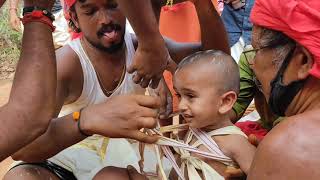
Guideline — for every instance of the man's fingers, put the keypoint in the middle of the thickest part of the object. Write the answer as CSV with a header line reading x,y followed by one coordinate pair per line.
x,y
145,82
232,172
169,109
163,105
253,140
165,101
148,112
137,78
146,122
148,101
142,137
134,174
131,69
155,82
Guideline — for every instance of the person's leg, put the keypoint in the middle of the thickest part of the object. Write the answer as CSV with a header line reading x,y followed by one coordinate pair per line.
x,y
111,172
29,172
39,171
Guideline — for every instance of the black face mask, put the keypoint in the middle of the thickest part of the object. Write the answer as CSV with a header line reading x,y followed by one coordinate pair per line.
x,y
282,95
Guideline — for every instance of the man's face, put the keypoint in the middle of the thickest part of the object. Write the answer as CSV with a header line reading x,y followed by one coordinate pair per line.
x,y
198,97
102,23
263,65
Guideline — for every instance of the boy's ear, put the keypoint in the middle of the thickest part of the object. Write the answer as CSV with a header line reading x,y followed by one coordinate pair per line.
x,y
227,101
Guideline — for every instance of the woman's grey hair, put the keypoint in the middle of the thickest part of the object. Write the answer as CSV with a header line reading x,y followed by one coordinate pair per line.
x,y
278,41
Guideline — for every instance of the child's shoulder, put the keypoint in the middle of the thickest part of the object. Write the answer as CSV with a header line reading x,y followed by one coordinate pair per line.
x,y
229,139
227,130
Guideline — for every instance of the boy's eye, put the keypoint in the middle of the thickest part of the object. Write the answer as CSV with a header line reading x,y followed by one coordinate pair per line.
x,y
190,96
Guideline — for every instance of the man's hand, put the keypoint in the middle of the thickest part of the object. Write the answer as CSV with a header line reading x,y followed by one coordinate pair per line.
x,y
122,117
165,99
150,61
47,4
14,20
232,173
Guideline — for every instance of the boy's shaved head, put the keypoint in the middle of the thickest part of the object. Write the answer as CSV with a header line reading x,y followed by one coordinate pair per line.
x,y
223,69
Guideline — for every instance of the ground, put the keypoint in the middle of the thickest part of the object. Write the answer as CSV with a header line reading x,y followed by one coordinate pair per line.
x,y
10,44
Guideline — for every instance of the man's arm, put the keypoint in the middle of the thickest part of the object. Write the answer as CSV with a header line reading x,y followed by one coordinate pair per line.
x,y
289,150
108,119
63,132
151,56
32,99
213,34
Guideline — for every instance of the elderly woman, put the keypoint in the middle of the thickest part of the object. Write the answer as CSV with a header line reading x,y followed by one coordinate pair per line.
x,y
286,40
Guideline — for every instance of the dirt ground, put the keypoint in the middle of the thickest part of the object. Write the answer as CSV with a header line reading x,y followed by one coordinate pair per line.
x,y
5,87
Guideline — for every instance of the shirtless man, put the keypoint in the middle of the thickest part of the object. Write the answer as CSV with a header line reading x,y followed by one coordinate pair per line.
x,y
286,39
32,101
30,107
91,69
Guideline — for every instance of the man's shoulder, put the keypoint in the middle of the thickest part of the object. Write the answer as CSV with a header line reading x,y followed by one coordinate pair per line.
x,y
290,146
295,129
66,52
67,63
300,125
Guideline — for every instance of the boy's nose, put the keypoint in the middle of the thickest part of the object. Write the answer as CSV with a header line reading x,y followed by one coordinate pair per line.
x,y
182,106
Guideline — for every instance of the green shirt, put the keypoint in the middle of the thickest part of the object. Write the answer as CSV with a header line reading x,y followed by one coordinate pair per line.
x,y
248,91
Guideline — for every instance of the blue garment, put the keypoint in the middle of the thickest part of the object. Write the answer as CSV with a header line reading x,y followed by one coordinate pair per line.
x,y
237,22
56,6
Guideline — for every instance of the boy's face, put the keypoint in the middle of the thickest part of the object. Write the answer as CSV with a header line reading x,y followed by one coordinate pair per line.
x,y
198,95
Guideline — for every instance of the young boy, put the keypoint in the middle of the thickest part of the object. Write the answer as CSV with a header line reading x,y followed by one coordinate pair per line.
x,y
207,84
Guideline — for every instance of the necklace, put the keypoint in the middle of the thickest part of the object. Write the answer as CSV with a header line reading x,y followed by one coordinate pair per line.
x,y
105,91
109,92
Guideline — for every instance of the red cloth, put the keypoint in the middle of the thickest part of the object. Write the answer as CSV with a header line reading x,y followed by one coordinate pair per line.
x,y
69,3
298,19
66,8
252,127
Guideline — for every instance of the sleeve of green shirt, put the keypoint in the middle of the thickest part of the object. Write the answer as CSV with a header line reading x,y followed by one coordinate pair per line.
x,y
247,87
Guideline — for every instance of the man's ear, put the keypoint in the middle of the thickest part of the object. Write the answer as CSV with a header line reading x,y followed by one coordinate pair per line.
x,y
306,64
74,19
303,62
227,101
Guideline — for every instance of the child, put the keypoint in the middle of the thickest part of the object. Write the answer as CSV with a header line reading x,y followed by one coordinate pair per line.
x,y
207,84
